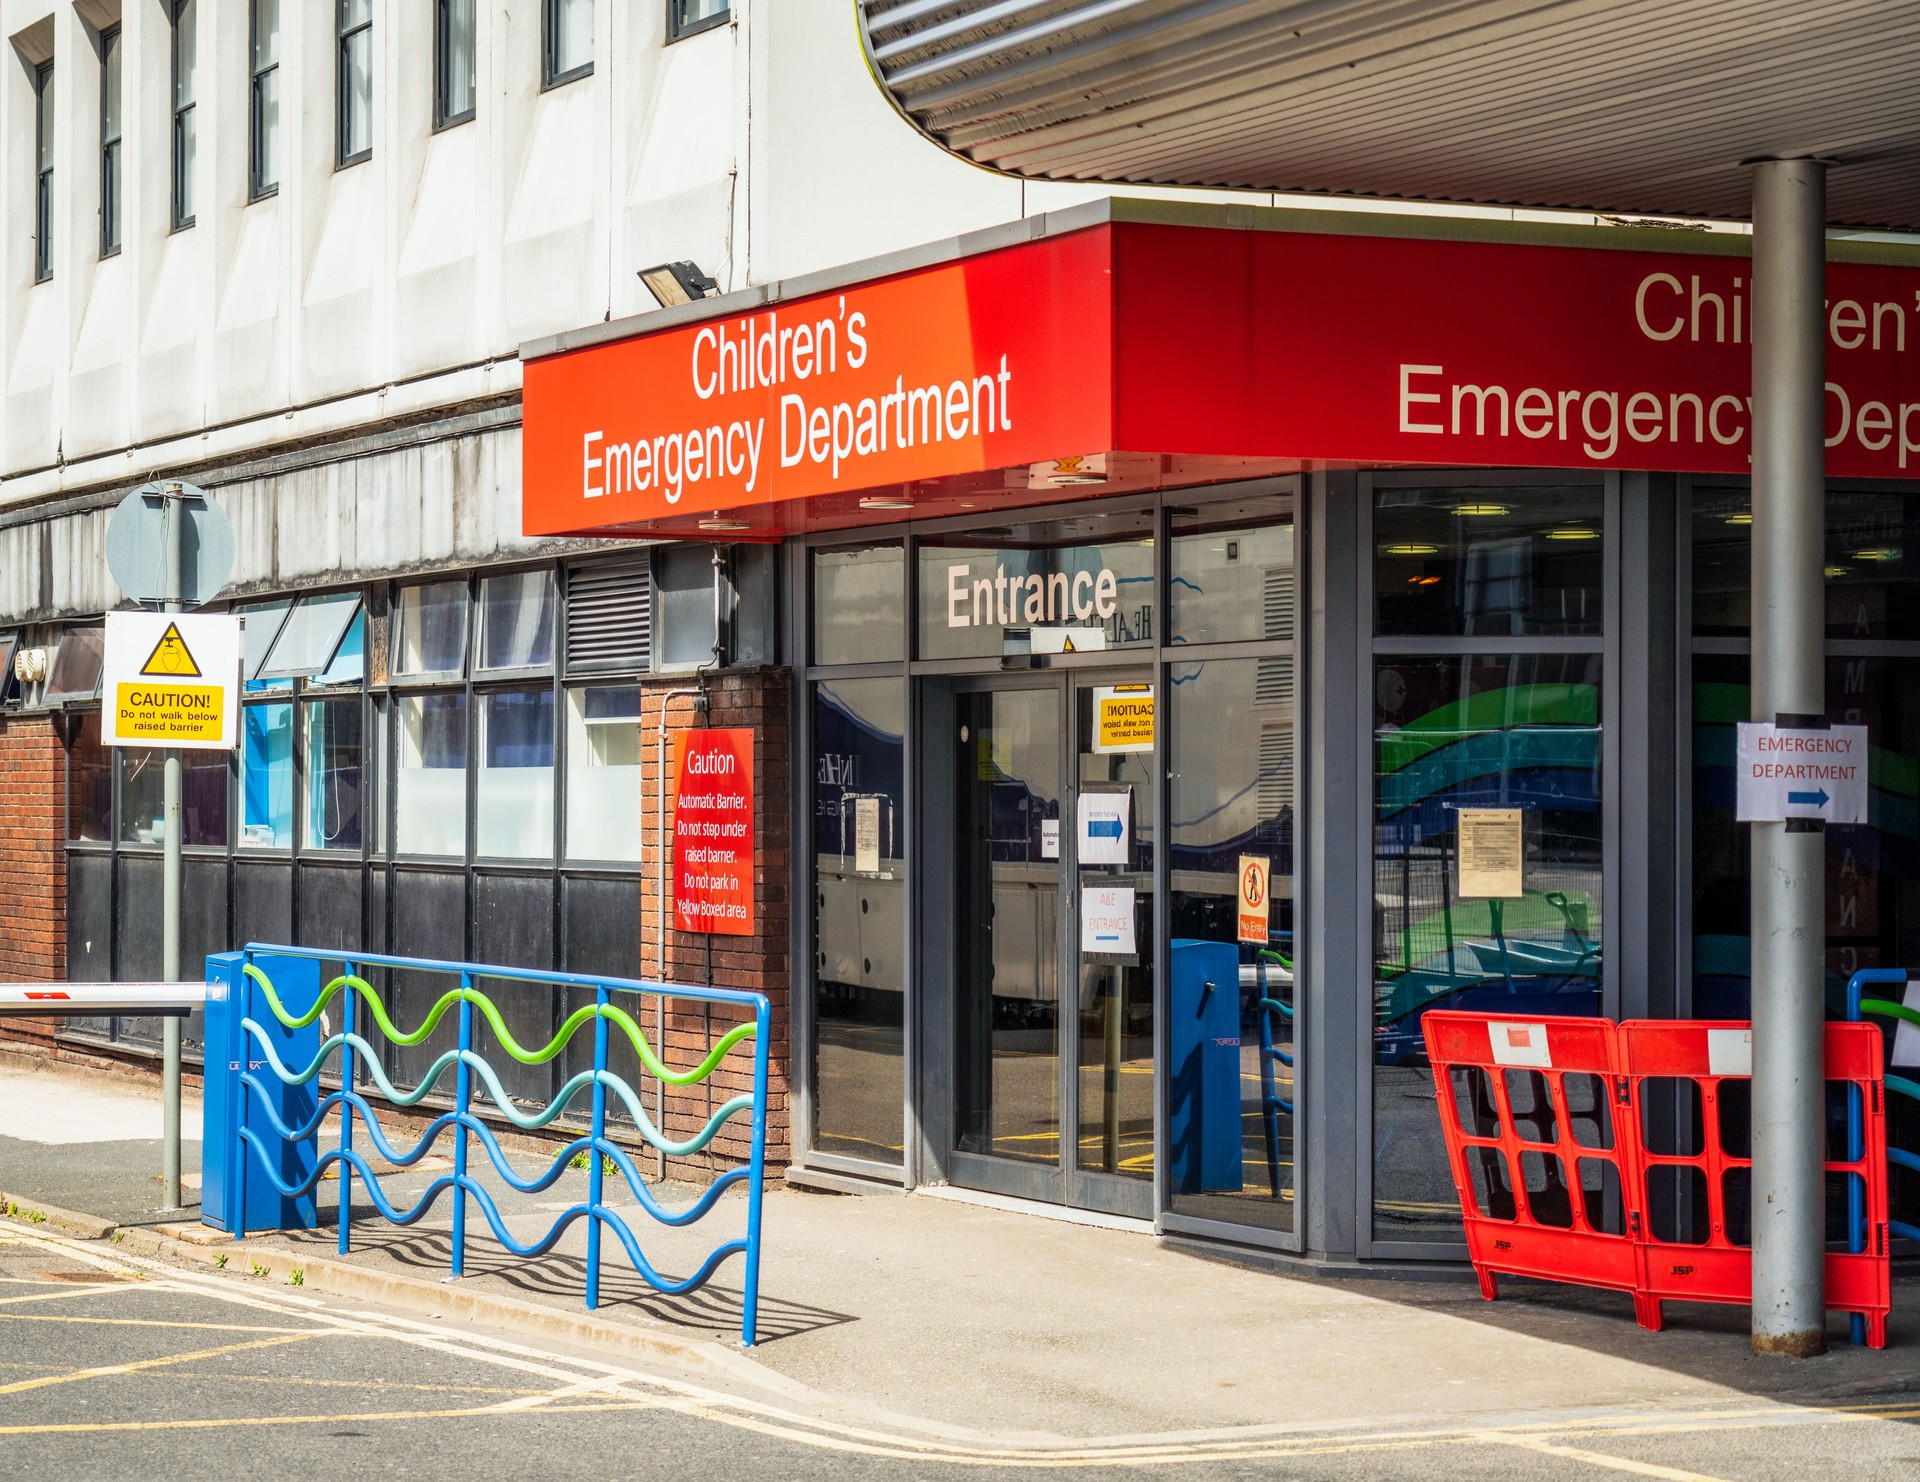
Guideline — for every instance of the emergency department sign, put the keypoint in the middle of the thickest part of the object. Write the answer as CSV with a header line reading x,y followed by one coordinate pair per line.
x,y
171,679
1789,773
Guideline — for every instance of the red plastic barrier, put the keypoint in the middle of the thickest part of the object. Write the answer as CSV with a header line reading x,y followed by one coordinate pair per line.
x,y
1546,1123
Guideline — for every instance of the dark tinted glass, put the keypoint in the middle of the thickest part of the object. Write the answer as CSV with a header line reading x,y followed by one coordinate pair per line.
x,y
859,605
1498,562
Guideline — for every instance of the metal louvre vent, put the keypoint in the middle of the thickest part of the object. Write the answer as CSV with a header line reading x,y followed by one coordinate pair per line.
x,y
1276,771
1277,601
609,617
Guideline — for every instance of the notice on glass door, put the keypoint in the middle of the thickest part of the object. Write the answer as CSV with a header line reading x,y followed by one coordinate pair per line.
x,y
1492,853
866,836
1106,827
1106,923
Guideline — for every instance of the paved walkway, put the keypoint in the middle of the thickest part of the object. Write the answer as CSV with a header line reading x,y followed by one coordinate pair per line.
x,y
955,1318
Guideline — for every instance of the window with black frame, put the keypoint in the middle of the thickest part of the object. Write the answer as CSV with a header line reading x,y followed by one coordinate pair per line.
x,y
567,49
263,98
185,56
455,29
691,17
112,185
353,82
1489,624
43,172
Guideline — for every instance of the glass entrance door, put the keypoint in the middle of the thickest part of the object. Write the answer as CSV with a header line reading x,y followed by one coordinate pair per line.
x,y
1053,884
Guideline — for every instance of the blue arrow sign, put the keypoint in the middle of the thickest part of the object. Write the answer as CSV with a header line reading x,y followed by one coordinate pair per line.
x,y
1103,828
1808,799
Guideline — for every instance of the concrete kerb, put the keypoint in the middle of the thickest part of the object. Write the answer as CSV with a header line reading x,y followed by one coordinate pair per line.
x,y
198,1245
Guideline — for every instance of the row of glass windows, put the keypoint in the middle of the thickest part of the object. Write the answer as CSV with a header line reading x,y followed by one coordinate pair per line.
x,y
566,54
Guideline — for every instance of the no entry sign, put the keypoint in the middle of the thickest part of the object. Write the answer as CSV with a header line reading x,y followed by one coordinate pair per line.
x,y
713,832
1791,773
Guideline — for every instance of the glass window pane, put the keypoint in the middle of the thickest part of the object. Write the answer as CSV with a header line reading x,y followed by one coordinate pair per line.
x,y
356,128
1083,582
203,797
1498,561
1510,732
1233,571
859,605
349,664
110,73
310,638
76,665
266,109
691,12
266,776
186,51
89,785
266,33
335,774
355,13
430,783
604,749
1233,794
433,630
572,22
859,896
186,144
459,57
44,115
516,775
516,621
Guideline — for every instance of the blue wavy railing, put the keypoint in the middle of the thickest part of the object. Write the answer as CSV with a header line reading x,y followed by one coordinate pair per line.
x,y
1272,1103
262,1008
1858,1006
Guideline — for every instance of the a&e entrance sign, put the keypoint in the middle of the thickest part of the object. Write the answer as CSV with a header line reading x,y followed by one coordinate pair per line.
x,y
1789,772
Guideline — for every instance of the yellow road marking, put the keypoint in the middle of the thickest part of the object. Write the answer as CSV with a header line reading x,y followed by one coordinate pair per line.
x,y
108,1371
92,1289
366,1384
1599,1459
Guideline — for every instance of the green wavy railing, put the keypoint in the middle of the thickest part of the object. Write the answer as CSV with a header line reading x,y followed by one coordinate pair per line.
x,y
614,1015
1891,1010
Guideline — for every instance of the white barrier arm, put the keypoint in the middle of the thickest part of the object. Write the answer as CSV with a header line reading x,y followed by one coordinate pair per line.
x,y
55,1000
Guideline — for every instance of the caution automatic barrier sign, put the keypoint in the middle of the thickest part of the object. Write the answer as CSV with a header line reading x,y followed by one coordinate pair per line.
x,y
171,680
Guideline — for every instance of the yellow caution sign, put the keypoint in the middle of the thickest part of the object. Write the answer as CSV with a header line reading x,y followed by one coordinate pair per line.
x,y
171,657
171,680
1123,718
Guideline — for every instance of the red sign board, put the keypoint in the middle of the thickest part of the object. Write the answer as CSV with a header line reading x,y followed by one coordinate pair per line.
x,y
713,832
1187,353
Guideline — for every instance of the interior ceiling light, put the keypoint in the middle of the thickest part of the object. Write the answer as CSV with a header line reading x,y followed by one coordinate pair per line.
x,y
1412,550
887,501
718,524
1573,532
1740,517
1076,478
1422,581
1473,510
674,283
1835,572
1878,553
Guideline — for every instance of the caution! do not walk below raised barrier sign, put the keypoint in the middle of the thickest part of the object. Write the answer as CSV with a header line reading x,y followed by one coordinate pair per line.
x,y
171,679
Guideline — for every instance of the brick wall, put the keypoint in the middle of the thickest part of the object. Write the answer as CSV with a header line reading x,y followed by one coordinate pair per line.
x,y
33,866
759,700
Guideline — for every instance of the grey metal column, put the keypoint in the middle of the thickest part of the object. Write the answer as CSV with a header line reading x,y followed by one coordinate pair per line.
x,y
1789,685
172,814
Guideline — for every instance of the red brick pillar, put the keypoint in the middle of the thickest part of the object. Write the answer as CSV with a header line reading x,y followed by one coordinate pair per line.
x,y
33,865
759,700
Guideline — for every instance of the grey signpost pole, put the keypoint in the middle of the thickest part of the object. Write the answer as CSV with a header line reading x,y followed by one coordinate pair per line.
x,y
174,515
1789,687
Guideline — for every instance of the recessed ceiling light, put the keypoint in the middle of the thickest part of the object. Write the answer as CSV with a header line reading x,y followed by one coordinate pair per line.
x,y
717,525
1422,581
1573,532
1411,550
1878,553
886,502
1076,478
1480,509
1835,572
1740,517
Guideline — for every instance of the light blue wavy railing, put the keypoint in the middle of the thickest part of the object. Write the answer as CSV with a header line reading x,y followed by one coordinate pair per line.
x,y
262,1007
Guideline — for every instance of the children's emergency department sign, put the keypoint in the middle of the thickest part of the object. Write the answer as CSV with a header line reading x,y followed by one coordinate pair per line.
x,y
713,832
171,679
1795,773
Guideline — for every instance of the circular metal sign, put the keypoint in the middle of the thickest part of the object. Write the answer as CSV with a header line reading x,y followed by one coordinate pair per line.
x,y
137,544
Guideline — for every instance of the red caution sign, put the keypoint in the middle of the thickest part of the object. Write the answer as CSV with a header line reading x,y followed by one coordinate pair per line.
x,y
713,832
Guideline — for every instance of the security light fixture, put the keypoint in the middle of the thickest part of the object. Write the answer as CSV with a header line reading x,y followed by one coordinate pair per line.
x,y
677,283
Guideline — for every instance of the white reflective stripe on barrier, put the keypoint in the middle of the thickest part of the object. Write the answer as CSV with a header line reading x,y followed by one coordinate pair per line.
x,y
49,999
1519,1044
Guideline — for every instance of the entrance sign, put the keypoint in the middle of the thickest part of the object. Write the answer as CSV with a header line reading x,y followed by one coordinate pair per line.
x,y
1122,718
1106,921
1256,878
1106,827
713,832
1556,347
1492,853
1791,773
171,680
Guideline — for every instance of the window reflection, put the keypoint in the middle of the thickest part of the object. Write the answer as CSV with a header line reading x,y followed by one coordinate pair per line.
x,y
266,777
1505,562
859,897
1490,731
335,775
430,782
1231,1097
859,604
